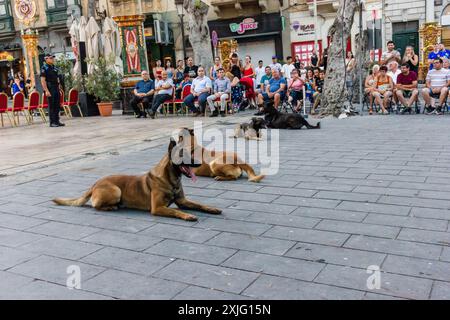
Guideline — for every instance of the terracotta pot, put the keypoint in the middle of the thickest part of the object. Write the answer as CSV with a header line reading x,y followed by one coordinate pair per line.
x,y
105,108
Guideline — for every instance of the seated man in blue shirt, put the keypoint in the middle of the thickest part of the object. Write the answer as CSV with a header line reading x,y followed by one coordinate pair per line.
x,y
143,92
200,90
275,91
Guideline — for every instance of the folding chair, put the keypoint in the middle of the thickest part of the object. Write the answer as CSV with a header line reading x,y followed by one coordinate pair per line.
x,y
43,106
285,105
4,108
186,91
366,103
217,101
436,96
166,104
33,104
73,101
62,104
17,107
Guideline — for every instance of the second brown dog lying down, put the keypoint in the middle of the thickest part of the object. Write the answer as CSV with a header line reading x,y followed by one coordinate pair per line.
x,y
154,191
224,166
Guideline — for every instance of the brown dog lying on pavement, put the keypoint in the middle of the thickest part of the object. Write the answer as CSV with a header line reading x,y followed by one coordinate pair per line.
x,y
223,166
154,191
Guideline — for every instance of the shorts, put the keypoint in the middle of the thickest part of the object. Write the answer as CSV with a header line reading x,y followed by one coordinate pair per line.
x,y
282,96
435,95
296,96
407,93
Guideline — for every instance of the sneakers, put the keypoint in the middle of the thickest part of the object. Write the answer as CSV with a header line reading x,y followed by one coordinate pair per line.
x,y
438,111
214,114
404,110
386,112
429,110
222,113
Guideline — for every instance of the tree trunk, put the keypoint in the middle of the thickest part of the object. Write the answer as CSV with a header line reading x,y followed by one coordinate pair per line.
x,y
334,92
196,13
362,57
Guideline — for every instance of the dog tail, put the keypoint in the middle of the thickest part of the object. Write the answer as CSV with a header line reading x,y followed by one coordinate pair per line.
x,y
77,202
251,173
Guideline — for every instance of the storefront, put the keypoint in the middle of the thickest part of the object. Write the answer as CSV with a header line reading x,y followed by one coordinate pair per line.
x,y
159,41
305,30
11,62
257,36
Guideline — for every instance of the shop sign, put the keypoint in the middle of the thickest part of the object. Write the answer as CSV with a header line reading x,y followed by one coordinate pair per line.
x,y
245,25
303,29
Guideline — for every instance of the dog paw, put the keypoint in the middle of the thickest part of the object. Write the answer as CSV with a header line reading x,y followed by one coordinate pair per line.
x,y
214,211
190,217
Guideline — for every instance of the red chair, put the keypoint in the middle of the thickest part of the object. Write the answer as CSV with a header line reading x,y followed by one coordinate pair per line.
x,y
73,101
43,106
167,103
217,104
62,104
186,91
33,104
4,108
18,106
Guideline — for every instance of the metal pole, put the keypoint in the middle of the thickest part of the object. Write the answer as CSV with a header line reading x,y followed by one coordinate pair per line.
x,y
315,26
362,54
182,37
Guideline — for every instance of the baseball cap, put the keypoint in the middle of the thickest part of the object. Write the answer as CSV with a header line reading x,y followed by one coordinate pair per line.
x,y
274,57
49,55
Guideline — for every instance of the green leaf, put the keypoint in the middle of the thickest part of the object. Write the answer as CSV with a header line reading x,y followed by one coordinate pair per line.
x,y
104,82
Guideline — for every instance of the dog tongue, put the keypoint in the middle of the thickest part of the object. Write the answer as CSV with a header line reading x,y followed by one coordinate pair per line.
x,y
193,176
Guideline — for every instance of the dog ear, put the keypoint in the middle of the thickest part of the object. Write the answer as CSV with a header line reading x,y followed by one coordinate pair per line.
x,y
172,145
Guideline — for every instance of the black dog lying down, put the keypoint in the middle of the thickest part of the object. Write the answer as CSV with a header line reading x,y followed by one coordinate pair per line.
x,y
278,120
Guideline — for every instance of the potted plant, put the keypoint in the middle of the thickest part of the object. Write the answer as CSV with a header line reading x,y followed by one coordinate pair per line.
x,y
71,79
104,84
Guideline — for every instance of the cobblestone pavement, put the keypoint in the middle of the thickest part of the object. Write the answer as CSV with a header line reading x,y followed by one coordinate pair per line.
x,y
365,191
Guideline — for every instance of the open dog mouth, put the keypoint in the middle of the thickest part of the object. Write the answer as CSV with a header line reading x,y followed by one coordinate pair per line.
x,y
187,171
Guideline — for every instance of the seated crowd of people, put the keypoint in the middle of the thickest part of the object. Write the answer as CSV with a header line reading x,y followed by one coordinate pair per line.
x,y
241,85
391,84
388,85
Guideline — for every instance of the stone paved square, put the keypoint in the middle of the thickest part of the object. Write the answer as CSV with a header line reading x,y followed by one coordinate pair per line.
x,y
360,193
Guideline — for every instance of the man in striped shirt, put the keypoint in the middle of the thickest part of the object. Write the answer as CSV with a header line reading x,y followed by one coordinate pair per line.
x,y
438,81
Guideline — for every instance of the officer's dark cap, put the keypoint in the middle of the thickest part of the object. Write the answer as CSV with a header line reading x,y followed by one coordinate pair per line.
x,y
49,55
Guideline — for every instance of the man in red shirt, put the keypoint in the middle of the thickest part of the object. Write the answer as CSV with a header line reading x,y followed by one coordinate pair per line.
x,y
406,88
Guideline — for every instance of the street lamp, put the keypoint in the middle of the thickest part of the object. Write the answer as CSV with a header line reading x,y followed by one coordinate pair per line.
x,y
180,9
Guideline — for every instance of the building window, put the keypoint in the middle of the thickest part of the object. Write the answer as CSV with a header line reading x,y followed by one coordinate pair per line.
x,y
52,4
3,8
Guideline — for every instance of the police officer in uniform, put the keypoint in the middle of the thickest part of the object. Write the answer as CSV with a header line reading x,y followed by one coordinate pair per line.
x,y
50,84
